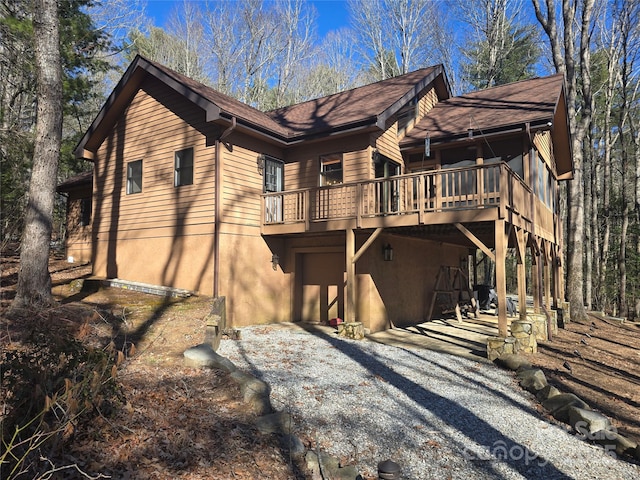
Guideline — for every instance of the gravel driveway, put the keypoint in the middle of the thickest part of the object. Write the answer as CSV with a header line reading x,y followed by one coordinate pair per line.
x,y
437,415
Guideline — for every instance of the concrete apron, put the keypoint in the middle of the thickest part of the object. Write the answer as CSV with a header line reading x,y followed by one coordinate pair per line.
x,y
465,339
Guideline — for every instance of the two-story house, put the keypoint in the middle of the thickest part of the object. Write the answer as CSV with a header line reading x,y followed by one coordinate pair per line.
x,y
345,206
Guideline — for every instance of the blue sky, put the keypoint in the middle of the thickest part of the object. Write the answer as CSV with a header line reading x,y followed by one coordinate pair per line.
x,y
332,14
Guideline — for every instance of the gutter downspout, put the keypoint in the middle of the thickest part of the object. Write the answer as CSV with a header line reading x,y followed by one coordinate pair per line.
x,y
218,209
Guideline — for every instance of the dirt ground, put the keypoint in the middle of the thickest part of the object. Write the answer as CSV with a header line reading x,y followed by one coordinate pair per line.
x,y
599,361
175,422
187,423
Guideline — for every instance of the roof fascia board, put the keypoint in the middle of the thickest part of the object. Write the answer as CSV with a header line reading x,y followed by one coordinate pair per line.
x,y
562,130
128,76
414,92
504,130
212,111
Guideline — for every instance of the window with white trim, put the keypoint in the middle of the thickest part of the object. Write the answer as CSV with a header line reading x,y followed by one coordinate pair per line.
x,y
134,177
330,169
183,172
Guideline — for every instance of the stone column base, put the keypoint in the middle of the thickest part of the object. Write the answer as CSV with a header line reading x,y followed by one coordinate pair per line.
x,y
497,347
539,323
353,330
524,333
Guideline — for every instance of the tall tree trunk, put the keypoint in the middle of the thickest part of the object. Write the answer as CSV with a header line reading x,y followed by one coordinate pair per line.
x,y
622,256
595,234
575,13
589,227
34,281
637,208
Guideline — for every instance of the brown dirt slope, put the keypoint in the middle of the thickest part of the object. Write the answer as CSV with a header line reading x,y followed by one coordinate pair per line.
x,y
173,421
603,356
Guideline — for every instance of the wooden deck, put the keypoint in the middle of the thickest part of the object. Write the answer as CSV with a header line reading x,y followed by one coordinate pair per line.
x,y
471,194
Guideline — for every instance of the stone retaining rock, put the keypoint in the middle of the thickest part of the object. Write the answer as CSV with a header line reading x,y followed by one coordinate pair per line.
x,y
513,362
565,407
614,442
559,405
532,380
547,392
293,445
330,466
587,422
257,395
254,392
204,355
277,422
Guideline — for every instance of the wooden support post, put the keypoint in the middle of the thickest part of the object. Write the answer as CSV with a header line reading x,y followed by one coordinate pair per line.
x,y
480,193
350,310
501,276
522,273
536,273
547,276
557,278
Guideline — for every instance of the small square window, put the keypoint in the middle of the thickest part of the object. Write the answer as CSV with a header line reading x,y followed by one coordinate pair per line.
x,y
183,174
134,177
330,169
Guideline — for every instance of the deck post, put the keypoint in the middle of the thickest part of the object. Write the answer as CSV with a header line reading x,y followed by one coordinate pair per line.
x,y
307,213
522,274
557,278
501,277
350,310
536,277
548,258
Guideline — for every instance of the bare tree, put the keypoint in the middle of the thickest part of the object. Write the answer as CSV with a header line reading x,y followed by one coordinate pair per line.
x,y
626,21
243,41
179,46
34,280
395,36
574,32
186,28
297,37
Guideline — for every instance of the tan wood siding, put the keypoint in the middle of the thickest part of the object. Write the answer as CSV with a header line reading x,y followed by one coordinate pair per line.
x,y
155,125
427,102
544,145
302,164
357,165
242,187
387,143
78,239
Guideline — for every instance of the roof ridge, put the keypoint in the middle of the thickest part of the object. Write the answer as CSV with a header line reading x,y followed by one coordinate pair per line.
x,y
343,92
515,82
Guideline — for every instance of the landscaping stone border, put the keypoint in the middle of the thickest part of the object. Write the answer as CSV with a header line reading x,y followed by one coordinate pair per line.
x,y
569,408
256,394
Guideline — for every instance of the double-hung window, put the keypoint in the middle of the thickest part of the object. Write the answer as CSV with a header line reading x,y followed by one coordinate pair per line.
x,y
183,173
134,177
330,169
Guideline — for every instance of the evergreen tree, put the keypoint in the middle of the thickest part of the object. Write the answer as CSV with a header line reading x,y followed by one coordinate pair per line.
x,y
79,46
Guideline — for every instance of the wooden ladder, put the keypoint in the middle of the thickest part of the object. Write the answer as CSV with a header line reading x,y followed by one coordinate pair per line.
x,y
450,291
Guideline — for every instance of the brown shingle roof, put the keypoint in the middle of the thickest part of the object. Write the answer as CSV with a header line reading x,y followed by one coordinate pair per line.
x,y
363,106
527,101
80,180
351,107
227,104
355,106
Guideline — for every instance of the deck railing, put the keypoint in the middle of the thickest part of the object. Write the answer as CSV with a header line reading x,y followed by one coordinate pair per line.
x,y
474,187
